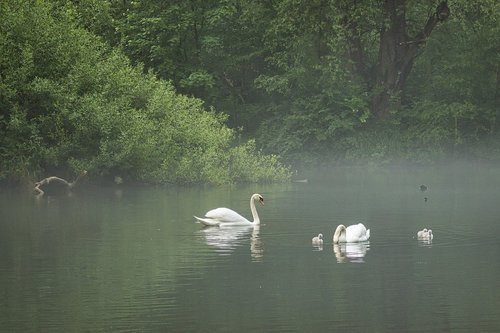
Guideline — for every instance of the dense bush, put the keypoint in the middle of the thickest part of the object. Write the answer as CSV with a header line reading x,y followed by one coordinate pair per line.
x,y
69,102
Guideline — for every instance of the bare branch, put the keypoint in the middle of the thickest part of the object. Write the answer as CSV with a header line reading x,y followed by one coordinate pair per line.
x,y
52,179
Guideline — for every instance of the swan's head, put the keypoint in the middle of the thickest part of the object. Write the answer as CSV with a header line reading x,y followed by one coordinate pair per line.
x,y
320,236
425,230
338,232
259,198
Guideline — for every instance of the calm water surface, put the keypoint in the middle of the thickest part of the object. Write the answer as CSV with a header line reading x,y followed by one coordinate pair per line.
x,y
133,259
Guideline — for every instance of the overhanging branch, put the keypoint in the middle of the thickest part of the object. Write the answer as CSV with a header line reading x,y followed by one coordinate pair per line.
x,y
54,179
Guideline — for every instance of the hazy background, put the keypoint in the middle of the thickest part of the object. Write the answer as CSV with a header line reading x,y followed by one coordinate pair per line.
x,y
133,259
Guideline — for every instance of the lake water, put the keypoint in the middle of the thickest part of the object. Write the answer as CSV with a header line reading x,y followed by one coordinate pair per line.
x,y
132,259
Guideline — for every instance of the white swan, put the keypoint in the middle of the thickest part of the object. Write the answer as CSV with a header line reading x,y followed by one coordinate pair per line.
x,y
421,233
425,234
430,235
353,233
226,216
318,240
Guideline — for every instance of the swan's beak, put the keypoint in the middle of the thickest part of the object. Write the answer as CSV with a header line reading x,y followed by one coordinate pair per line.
x,y
261,200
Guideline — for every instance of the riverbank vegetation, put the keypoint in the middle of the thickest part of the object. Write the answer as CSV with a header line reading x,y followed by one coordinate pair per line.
x,y
329,80
214,91
70,102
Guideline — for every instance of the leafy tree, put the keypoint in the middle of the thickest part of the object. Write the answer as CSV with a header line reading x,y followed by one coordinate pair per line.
x,y
453,96
324,78
69,102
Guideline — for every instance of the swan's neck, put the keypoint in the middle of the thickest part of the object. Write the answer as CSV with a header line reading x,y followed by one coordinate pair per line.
x,y
338,233
255,215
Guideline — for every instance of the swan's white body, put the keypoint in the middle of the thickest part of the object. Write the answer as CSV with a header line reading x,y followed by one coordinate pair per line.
x,y
425,234
430,235
318,240
353,233
421,233
228,217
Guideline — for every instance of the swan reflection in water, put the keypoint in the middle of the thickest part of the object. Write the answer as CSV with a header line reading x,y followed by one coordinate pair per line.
x,y
317,247
351,252
425,242
226,239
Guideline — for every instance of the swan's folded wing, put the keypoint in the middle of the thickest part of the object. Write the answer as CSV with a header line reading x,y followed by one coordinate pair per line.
x,y
357,232
207,222
225,215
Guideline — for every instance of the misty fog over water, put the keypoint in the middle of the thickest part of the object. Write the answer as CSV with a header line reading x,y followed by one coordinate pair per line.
x,y
133,259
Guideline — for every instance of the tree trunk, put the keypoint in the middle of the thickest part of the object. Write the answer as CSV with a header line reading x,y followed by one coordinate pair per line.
x,y
397,52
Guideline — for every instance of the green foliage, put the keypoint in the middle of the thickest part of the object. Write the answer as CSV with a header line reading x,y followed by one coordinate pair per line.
x,y
446,125
454,93
300,75
69,102
79,85
314,101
